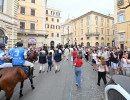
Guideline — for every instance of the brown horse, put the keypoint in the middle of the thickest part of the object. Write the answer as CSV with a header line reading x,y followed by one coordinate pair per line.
x,y
10,78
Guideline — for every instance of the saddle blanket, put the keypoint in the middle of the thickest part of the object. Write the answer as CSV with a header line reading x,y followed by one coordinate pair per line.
x,y
26,70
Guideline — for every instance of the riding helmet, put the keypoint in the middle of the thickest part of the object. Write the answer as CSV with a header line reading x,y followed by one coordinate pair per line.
x,y
2,45
19,44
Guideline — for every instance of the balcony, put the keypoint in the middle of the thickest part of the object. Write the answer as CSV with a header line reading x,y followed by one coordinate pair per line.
x,y
92,34
120,2
32,32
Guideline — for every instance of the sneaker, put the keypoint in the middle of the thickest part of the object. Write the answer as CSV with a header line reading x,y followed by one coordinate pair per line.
x,y
40,71
76,84
98,84
55,71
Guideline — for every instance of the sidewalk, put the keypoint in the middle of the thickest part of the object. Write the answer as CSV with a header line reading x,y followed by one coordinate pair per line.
x,y
89,88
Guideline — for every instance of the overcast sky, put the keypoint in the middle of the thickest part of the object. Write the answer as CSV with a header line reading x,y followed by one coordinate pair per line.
x,y
76,8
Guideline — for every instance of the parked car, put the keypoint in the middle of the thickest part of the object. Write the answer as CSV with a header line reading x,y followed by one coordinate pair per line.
x,y
118,88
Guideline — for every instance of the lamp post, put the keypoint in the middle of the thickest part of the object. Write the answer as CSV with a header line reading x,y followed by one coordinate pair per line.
x,y
68,34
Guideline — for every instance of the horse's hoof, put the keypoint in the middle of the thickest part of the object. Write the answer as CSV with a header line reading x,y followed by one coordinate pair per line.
x,y
33,87
21,95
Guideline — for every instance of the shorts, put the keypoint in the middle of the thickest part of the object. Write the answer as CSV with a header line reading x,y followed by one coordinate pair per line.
x,y
93,61
119,63
107,63
114,65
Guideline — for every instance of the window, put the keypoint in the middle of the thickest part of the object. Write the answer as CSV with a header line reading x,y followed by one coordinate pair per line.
x,y
32,26
88,30
52,12
102,38
81,25
82,20
97,22
97,38
52,19
57,27
88,20
22,25
102,31
81,38
121,18
87,38
32,1
52,26
101,23
82,32
47,26
46,18
108,44
102,19
107,20
33,12
113,33
108,32
96,30
22,10
57,13
108,25
121,37
46,11
52,34
57,34
1,5
107,39
96,17
57,20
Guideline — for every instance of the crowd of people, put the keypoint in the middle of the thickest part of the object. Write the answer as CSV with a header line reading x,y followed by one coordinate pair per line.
x,y
101,58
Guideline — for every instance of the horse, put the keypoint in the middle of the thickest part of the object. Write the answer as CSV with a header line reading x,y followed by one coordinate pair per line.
x,y
11,76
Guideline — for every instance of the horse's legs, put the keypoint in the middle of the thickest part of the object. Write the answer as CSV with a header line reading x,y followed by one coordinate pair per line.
x,y
32,85
21,89
9,94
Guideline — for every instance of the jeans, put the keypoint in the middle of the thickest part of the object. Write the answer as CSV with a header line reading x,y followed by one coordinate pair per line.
x,y
78,71
74,59
49,65
103,76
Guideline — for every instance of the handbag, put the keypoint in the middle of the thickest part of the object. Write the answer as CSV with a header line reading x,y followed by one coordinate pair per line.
x,y
107,69
52,65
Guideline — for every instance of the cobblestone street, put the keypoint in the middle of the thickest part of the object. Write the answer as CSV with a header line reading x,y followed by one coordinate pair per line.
x,y
90,90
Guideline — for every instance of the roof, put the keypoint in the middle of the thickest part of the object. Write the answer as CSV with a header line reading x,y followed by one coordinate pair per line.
x,y
96,13
51,8
123,81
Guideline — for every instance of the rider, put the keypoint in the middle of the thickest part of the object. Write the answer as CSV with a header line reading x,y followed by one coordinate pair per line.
x,y
3,57
19,56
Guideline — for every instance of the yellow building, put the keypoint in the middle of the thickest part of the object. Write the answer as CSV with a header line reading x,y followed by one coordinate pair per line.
x,y
93,29
31,22
53,26
122,21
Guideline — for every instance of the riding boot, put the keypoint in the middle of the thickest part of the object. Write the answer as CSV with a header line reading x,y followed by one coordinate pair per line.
x,y
31,73
0,75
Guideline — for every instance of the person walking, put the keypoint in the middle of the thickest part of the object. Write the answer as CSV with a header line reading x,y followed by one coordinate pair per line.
x,y
66,53
78,69
57,58
101,70
94,57
86,54
74,53
42,61
49,61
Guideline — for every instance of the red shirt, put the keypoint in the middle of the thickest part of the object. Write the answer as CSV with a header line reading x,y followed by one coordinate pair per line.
x,y
74,53
78,62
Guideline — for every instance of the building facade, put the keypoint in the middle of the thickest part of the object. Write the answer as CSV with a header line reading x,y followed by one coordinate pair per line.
x,y
8,22
67,32
31,23
53,26
122,23
93,29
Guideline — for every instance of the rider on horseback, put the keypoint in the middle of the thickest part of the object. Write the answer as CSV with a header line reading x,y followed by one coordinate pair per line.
x,y
19,55
3,57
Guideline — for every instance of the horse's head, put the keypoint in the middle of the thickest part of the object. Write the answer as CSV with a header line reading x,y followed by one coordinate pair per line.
x,y
33,56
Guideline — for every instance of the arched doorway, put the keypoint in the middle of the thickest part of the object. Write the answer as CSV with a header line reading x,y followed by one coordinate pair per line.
x,y
82,44
88,44
52,44
2,35
96,44
32,42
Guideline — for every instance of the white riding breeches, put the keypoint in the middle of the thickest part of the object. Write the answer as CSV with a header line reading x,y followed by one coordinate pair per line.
x,y
27,63
5,65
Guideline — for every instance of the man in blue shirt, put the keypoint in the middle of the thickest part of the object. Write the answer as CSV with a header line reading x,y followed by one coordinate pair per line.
x,y
3,57
19,55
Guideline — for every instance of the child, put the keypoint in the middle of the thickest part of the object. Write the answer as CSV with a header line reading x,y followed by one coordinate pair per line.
x,y
101,70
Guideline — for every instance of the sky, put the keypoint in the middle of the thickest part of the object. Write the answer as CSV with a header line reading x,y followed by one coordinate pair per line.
x,y
76,8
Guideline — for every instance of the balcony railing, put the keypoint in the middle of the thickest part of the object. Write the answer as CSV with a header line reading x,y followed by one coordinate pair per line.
x,y
32,32
90,34
120,2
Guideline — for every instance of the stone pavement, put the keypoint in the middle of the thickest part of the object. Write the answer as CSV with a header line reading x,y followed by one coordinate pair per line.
x,y
89,90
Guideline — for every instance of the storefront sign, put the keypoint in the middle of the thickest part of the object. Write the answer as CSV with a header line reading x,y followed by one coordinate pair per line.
x,y
32,41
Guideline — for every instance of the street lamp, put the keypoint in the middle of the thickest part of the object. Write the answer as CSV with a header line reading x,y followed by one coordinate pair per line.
x,y
68,34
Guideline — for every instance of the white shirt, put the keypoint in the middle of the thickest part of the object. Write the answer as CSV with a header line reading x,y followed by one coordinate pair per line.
x,y
99,53
66,51
106,55
124,64
94,56
71,50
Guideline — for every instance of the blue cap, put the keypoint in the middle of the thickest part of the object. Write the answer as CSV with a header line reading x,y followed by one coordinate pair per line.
x,y
2,45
